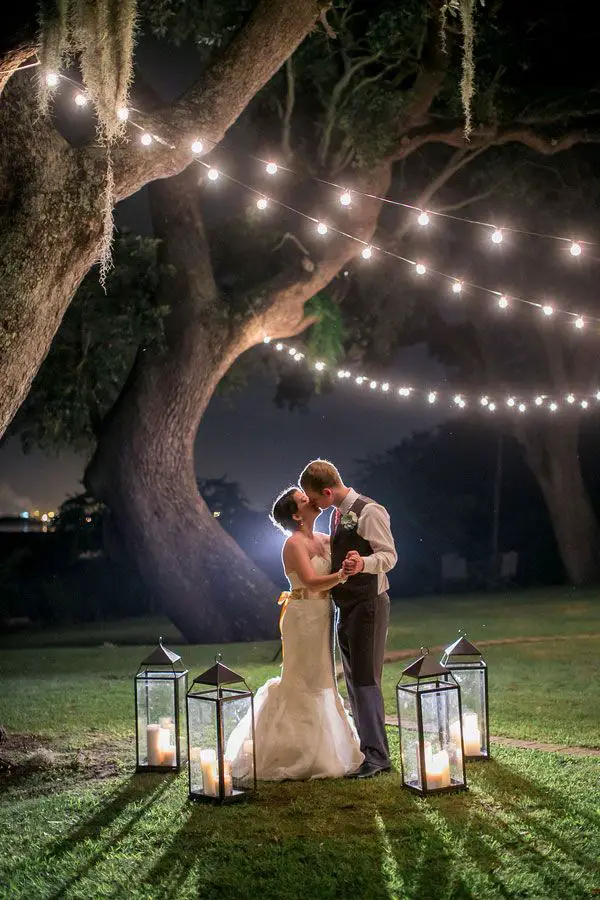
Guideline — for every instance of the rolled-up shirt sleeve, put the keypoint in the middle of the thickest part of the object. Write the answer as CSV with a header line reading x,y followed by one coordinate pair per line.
x,y
374,527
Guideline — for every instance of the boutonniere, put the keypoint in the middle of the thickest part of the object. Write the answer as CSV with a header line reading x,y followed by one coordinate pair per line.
x,y
349,521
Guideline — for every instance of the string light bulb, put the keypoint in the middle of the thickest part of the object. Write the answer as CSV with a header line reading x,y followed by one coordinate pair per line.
x,y
279,347
492,407
367,253
52,79
266,339
539,401
341,373
432,396
570,398
457,287
319,366
404,391
458,399
485,401
197,146
579,322
522,407
385,387
213,174
553,406
346,198
80,100
510,401
261,203
359,380
420,269
373,385
292,351
497,236
575,249
584,404
271,168
123,114
146,139
547,309
502,301
322,228
423,218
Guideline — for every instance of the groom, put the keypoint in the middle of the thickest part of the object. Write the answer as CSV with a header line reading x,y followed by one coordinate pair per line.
x,y
361,543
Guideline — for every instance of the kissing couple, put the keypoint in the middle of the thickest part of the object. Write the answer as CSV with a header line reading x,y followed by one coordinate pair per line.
x,y
302,729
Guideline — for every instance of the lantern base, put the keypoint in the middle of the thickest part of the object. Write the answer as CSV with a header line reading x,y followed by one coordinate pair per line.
x,y
235,797
140,768
480,757
425,792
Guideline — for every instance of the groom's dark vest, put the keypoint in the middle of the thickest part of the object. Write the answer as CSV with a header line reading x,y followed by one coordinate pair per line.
x,y
359,587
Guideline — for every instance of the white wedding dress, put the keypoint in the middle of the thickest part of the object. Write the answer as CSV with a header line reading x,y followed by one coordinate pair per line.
x,y
301,727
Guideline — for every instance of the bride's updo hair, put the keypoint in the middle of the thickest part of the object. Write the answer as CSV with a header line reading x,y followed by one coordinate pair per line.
x,y
284,509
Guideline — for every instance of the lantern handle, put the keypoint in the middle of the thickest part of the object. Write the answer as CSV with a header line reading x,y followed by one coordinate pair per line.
x,y
160,640
425,650
218,657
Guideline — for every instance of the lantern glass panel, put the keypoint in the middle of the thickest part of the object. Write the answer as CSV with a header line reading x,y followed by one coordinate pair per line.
x,y
443,755
159,696
408,700
215,751
472,681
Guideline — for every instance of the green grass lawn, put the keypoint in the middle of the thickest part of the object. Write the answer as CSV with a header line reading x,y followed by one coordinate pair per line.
x,y
78,824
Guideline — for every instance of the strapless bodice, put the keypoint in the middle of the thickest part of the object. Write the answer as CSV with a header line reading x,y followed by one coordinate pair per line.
x,y
320,564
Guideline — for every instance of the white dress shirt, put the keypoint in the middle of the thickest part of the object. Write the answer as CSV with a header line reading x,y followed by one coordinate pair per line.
x,y
374,526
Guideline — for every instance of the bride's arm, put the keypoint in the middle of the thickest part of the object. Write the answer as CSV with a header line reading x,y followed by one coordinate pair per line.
x,y
297,560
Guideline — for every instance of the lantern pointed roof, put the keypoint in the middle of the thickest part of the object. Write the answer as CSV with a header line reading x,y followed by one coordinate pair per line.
x,y
462,647
161,656
219,674
425,666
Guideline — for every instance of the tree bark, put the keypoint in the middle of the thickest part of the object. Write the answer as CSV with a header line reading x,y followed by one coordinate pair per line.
x,y
143,468
51,194
552,453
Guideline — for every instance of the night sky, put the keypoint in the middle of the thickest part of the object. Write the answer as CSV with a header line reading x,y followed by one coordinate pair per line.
x,y
246,437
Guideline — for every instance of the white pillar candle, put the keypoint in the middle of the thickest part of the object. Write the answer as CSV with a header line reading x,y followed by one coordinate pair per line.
x,y
227,779
437,768
154,738
208,764
471,734
169,757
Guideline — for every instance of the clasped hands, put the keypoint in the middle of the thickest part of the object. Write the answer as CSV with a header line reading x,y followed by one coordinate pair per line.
x,y
353,563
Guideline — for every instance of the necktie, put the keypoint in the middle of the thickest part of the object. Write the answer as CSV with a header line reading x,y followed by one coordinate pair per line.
x,y
336,519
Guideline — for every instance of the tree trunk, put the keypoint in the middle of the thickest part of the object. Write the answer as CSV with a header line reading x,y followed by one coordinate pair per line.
x,y
551,450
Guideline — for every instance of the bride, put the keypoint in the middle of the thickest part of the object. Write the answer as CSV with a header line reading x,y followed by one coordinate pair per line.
x,y
301,728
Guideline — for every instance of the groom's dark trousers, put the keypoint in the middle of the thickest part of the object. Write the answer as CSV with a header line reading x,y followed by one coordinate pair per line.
x,y
362,623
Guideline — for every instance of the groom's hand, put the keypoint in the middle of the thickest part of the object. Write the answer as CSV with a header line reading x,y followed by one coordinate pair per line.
x,y
353,564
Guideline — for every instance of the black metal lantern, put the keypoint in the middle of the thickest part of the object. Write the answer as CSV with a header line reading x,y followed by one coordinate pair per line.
x,y
160,690
221,737
467,665
431,755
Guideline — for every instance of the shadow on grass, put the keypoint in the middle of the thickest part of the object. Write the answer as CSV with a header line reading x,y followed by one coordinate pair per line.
x,y
129,801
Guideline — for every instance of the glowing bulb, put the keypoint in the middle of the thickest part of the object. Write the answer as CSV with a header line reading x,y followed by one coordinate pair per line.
x,y
522,408
346,198
547,310
423,218
213,174
497,236
457,287
373,385
584,404
322,228
404,391
279,346
123,114
146,139
458,399
432,396
510,401
319,366
579,323
575,249
367,253
539,401
197,146
598,395
51,79
385,387
80,100
271,168
299,356
360,380
266,339
341,373
502,301
261,203
570,398
292,351
553,407
420,269
492,407
484,401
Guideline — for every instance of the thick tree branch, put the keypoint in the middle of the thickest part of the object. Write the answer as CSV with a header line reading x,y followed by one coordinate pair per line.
x,y
492,136
211,106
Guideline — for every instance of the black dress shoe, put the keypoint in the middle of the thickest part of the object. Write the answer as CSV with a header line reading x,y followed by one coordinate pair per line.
x,y
369,770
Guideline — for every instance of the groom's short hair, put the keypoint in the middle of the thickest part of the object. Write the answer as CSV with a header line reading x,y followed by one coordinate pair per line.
x,y
320,474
